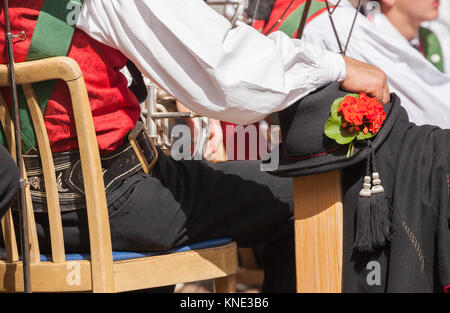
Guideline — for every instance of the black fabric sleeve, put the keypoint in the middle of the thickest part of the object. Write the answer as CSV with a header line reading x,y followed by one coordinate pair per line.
x,y
443,232
9,180
264,9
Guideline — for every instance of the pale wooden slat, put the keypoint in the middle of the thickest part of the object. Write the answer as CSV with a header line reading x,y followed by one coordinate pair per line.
x,y
35,255
9,235
97,210
8,127
253,278
176,268
41,70
249,271
47,277
248,258
51,189
225,284
319,232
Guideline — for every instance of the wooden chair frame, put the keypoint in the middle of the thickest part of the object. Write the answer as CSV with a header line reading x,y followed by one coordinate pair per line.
x,y
100,273
318,213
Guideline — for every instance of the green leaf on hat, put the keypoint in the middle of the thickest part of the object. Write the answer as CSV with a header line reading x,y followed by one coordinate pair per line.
x,y
334,131
362,136
334,109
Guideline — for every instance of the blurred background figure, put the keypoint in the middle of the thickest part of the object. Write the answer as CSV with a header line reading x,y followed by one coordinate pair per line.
x,y
233,10
283,15
407,39
390,35
441,27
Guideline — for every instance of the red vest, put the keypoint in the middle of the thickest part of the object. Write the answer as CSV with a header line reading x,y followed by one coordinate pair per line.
x,y
115,109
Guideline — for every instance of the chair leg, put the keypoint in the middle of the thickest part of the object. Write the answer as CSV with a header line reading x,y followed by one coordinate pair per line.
x,y
225,284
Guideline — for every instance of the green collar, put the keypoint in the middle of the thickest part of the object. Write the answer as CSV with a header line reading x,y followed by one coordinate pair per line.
x,y
432,48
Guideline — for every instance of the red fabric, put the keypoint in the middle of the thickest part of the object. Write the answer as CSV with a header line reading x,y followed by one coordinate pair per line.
x,y
229,133
115,109
447,289
259,25
422,48
282,9
316,155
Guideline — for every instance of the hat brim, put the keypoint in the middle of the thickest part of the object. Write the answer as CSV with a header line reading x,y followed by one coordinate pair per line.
x,y
291,166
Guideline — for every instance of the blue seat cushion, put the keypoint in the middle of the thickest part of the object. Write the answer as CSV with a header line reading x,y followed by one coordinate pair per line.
x,y
120,256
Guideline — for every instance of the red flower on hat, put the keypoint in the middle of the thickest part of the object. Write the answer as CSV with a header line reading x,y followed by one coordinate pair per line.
x,y
355,116
362,113
352,110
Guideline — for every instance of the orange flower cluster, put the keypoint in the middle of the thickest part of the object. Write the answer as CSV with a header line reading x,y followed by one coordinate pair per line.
x,y
362,113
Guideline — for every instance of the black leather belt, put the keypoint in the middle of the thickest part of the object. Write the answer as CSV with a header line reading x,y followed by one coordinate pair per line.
x,y
138,153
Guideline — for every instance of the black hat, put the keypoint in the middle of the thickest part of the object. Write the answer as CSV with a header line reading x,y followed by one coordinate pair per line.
x,y
306,150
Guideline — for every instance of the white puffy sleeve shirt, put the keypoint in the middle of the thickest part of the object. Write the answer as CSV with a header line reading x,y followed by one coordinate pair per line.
x,y
191,51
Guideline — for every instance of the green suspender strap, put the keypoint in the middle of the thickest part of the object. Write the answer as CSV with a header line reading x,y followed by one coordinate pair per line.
x,y
52,37
291,24
432,48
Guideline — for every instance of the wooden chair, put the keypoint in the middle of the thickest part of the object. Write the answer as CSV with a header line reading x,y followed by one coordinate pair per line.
x,y
102,270
318,213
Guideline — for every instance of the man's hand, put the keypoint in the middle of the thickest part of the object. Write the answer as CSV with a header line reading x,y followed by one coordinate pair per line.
x,y
215,140
362,77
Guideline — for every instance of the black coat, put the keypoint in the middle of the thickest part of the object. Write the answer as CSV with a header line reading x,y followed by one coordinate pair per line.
x,y
9,180
414,165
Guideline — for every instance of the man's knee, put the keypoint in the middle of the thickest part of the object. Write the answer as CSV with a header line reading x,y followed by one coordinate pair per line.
x,y
9,180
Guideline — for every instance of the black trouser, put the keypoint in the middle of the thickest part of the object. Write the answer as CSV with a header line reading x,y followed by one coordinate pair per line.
x,y
189,201
9,180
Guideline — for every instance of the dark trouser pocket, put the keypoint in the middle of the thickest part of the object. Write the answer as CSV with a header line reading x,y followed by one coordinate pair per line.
x,y
146,217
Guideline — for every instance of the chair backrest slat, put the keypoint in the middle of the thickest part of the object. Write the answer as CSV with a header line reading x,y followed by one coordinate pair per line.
x,y
35,255
48,167
67,69
94,187
9,237
8,231
11,245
